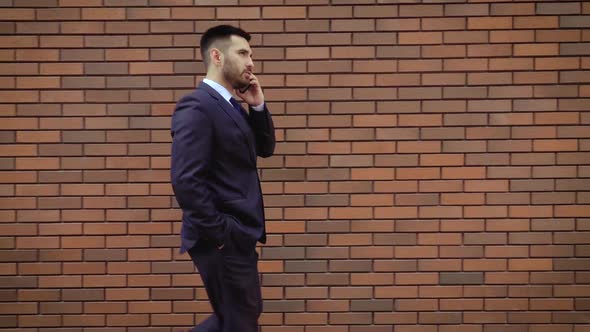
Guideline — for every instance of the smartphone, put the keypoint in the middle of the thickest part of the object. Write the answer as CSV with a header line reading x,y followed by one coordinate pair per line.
x,y
243,90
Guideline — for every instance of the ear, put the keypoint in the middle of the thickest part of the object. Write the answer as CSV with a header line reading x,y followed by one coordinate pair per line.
x,y
216,56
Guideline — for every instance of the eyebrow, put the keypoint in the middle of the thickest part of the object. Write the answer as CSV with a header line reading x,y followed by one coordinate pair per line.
x,y
245,49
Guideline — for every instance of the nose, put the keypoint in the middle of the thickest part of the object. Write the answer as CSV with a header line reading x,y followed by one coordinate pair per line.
x,y
250,64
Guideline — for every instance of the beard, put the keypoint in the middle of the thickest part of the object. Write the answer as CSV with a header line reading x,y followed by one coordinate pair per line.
x,y
233,76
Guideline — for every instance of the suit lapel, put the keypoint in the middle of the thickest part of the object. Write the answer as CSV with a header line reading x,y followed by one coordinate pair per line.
x,y
238,120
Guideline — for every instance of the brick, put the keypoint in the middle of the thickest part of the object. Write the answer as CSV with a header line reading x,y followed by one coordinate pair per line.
x,y
284,12
420,10
556,91
191,13
150,41
155,54
528,238
375,11
511,64
536,22
352,25
499,9
40,320
19,42
556,35
106,41
442,133
444,79
323,66
535,49
573,76
308,53
373,38
462,37
243,13
323,39
346,52
513,36
398,51
37,190
167,27
103,14
18,150
37,163
398,80
419,38
555,63
61,41
420,65
82,27
466,9
37,28
489,23
444,51
535,78
552,118
61,69
331,11
21,14
443,23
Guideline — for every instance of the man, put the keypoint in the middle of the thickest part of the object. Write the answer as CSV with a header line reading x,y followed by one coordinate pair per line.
x,y
215,179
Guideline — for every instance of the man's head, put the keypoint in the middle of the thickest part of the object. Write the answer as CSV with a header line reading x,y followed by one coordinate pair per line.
x,y
226,52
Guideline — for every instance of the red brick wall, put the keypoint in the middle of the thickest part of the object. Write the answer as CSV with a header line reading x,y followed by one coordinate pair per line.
x,y
432,169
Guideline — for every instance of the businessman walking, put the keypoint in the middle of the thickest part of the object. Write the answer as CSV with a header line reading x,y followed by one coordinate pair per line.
x,y
215,143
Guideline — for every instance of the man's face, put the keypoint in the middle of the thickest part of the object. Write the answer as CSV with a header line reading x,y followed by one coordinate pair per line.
x,y
237,62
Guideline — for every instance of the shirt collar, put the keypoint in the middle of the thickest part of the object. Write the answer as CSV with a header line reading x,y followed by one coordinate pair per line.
x,y
219,88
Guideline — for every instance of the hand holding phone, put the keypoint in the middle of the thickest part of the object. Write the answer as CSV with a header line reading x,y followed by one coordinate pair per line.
x,y
251,93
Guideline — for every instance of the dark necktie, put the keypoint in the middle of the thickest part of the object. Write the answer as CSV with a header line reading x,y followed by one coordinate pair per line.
x,y
238,108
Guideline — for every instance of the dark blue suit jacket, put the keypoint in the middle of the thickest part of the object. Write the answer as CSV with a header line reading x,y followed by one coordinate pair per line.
x,y
213,169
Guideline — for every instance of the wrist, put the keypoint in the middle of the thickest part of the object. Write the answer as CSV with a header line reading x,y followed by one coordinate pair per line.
x,y
259,107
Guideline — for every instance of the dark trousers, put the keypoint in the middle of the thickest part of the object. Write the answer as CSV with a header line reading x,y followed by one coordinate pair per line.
x,y
232,283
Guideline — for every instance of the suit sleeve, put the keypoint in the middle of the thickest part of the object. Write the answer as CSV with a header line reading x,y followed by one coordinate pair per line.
x,y
192,142
264,132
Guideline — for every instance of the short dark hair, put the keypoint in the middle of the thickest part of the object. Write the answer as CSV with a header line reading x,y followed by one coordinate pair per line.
x,y
216,33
